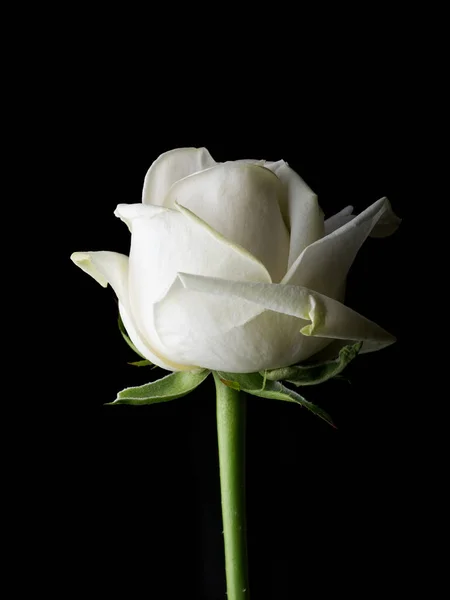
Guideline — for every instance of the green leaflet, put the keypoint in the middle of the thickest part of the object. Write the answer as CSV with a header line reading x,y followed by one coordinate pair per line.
x,y
172,386
257,385
142,363
318,373
125,336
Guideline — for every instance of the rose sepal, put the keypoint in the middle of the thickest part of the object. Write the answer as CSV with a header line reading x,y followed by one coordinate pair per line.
x,y
317,372
170,387
258,385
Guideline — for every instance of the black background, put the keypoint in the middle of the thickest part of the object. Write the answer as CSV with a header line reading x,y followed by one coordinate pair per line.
x,y
315,496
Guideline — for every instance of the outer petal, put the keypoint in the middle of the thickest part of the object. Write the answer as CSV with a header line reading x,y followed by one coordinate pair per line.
x,y
386,226
267,340
338,220
240,201
169,168
289,324
112,268
186,321
323,266
173,241
128,212
300,209
105,267
329,318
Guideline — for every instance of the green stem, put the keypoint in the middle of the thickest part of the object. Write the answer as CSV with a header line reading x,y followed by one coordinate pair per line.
x,y
231,437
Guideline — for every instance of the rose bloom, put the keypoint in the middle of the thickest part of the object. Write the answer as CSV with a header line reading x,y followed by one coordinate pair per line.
x,y
232,266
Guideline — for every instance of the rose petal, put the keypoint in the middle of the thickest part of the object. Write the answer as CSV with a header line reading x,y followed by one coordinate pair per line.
x,y
175,241
300,208
112,268
339,219
105,267
240,201
185,320
128,212
323,266
266,340
329,318
169,168
386,226
206,331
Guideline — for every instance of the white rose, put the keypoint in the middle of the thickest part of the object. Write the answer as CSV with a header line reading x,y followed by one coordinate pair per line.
x,y
232,267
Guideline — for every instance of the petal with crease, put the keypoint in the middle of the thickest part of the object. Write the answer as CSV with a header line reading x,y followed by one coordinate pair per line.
x,y
241,202
300,208
185,320
267,340
323,266
112,267
175,241
169,168
329,318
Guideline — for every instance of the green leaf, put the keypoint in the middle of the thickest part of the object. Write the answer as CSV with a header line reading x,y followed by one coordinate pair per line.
x,y
316,373
257,385
142,363
168,388
125,336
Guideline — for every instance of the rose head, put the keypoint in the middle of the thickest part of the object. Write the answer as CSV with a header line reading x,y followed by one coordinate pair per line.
x,y
233,268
